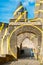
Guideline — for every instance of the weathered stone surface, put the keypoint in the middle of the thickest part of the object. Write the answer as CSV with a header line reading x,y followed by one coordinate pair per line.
x,y
24,62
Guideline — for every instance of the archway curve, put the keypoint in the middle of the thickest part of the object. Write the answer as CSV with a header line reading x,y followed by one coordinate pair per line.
x,y
26,45
18,30
21,37
31,37
27,42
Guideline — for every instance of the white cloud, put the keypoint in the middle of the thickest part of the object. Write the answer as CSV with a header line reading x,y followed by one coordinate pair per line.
x,y
25,3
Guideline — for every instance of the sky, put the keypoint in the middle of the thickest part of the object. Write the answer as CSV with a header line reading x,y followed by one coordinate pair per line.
x,y
8,7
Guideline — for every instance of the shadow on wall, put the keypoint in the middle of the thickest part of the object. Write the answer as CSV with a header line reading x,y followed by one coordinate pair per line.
x,y
8,58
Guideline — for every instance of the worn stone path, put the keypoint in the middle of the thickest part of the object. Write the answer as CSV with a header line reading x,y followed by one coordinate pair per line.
x,y
24,62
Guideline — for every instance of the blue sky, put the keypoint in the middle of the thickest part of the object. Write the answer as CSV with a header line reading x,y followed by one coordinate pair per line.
x,y
7,8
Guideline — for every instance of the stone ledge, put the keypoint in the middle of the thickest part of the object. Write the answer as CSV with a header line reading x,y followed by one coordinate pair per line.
x,y
25,23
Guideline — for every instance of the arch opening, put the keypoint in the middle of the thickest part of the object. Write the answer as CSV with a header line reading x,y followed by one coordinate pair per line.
x,y
27,44
26,48
19,30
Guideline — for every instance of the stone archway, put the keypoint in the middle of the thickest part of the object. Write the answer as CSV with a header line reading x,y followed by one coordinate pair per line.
x,y
26,48
31,37
18,31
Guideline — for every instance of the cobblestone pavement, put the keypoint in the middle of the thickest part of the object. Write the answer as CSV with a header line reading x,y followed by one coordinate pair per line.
x,y
24,62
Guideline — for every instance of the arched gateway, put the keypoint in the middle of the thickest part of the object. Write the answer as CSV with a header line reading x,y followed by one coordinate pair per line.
x,y
20,33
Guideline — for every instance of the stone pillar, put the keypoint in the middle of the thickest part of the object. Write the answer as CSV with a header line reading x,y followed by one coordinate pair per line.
x,y
0,43
41,51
